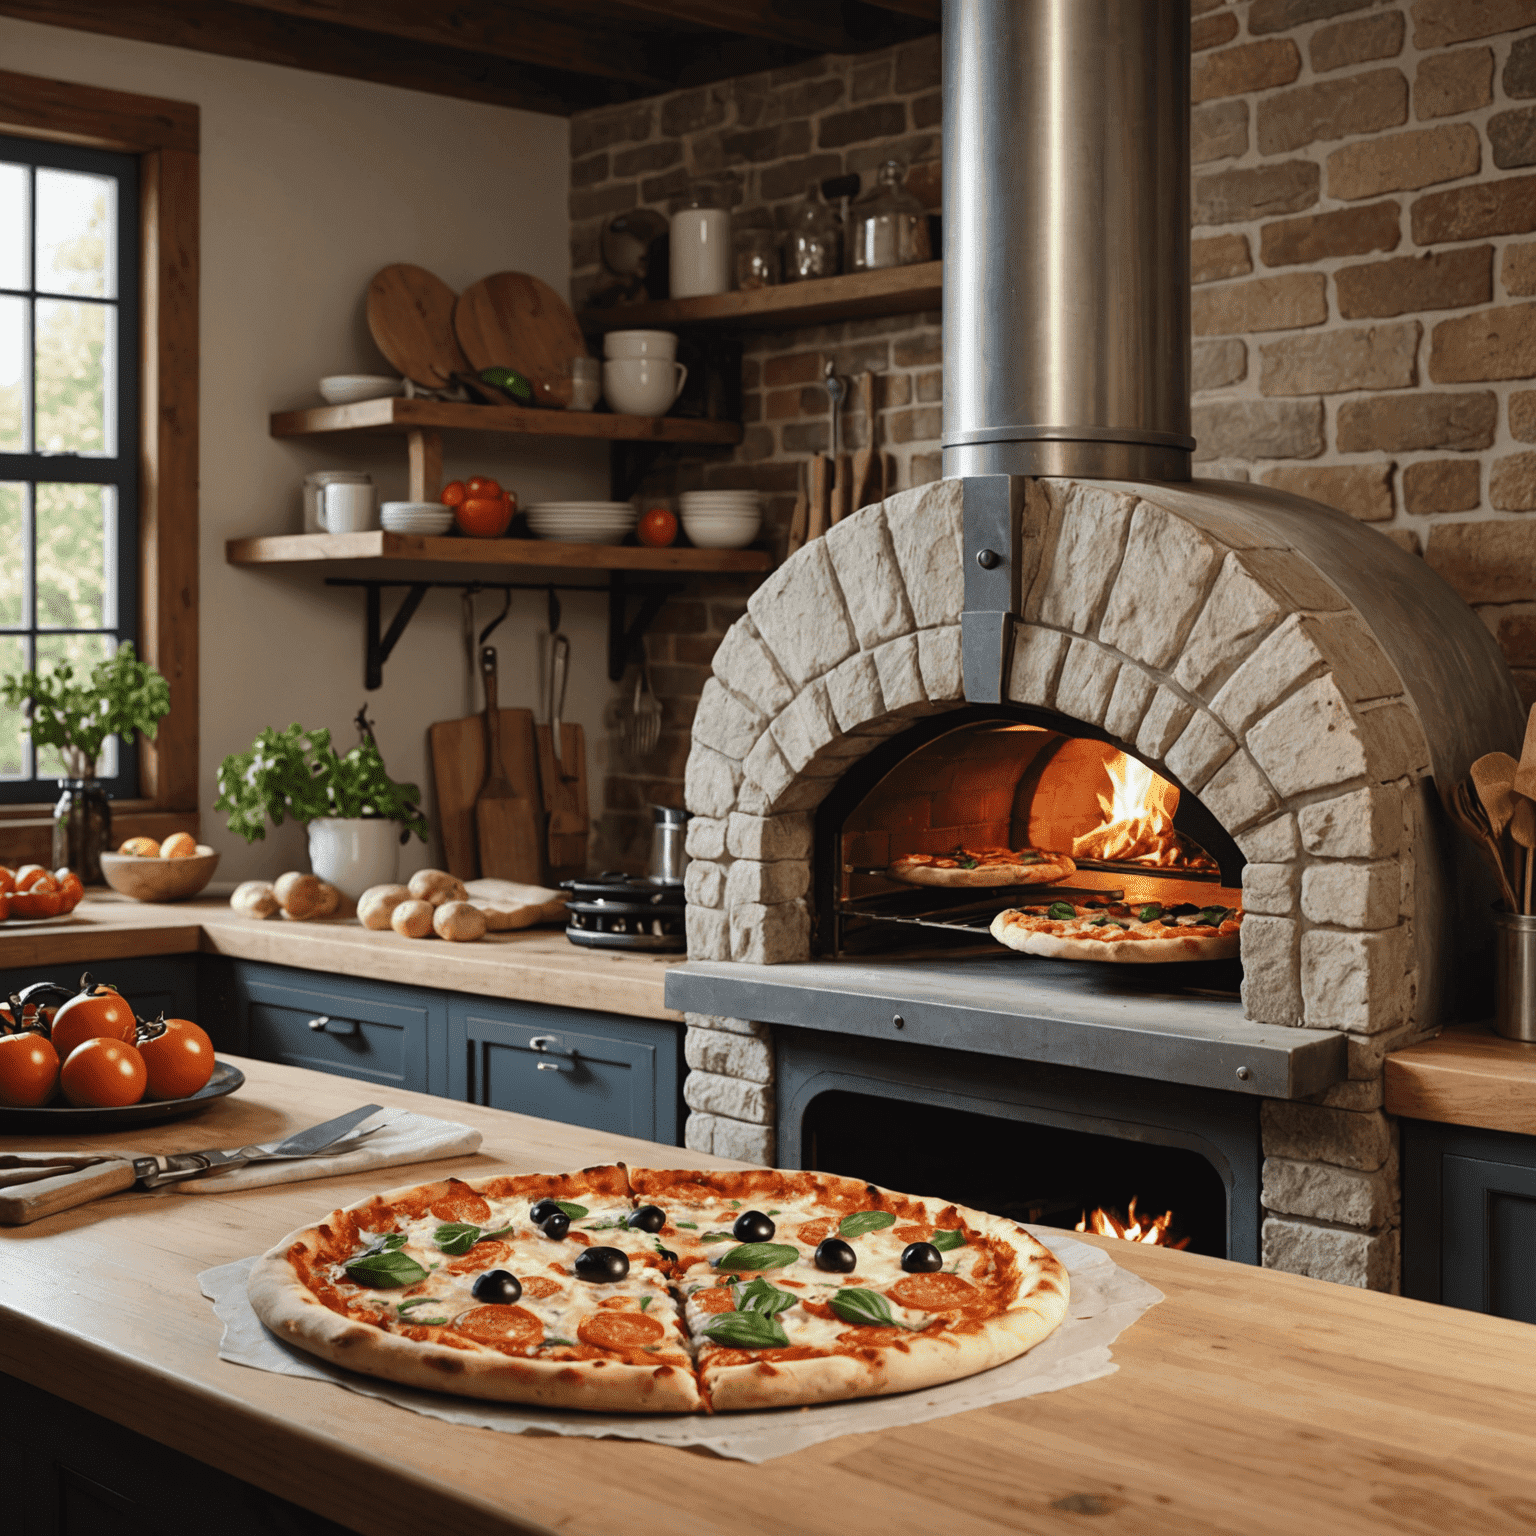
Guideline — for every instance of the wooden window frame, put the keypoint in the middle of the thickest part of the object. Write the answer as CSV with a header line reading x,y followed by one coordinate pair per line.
x,y
165,137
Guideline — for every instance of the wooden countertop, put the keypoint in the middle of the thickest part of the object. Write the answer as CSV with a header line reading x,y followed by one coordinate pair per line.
x,y
1466,1076
537,965
1248,1401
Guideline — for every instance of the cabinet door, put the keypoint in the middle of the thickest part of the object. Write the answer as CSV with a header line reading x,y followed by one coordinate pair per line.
x,y
598,1070
153,985
367,1030
1488,1262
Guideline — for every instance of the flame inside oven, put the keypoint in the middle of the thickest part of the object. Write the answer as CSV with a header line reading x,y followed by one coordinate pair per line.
x,y
1152,1230
1138,816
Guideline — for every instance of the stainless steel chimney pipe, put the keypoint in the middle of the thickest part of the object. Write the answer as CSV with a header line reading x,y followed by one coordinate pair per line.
x,y
1066,238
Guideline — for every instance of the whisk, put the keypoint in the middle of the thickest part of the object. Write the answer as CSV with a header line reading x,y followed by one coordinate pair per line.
x,y
640,728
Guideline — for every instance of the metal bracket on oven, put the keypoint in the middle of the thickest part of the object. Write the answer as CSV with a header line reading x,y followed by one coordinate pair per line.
x,y
546,1045
992,511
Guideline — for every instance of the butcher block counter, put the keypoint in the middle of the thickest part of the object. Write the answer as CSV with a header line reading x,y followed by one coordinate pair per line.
x,y
1466,1076
536,965
1248,1401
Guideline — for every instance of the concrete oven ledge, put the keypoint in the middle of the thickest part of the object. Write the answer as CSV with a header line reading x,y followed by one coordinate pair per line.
x,y
1115,1022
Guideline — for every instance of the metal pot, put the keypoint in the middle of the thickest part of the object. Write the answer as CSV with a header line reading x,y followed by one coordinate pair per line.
x,y
669,858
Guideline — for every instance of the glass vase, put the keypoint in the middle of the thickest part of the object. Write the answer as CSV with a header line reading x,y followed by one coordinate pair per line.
x,y
82,826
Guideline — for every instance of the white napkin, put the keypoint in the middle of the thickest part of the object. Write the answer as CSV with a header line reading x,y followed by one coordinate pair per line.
x,y
403,1137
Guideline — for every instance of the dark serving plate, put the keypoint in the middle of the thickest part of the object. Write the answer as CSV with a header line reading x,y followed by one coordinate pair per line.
x,y
65,1120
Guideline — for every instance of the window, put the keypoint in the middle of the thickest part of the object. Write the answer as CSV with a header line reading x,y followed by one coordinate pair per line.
x,y
69,430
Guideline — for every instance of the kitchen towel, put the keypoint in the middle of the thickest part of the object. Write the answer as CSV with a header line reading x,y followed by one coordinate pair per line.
x,y
401,1137
1105,1301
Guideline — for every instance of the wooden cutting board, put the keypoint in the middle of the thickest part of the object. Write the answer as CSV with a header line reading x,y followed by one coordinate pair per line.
x,y
565,798
410,313
458,769
514,320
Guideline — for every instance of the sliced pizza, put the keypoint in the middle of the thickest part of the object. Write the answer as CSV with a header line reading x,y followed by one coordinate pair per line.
x,y
982,867
1147,933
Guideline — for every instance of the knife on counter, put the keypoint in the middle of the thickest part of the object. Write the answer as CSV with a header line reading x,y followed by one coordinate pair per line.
x,y
38,1184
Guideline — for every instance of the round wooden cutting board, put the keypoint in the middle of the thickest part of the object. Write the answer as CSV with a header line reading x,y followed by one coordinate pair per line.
x,y
513,320
410,312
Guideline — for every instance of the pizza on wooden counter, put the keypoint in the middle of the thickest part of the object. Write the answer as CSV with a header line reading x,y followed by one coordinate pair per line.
x,y
1146,933
982,867
661,1290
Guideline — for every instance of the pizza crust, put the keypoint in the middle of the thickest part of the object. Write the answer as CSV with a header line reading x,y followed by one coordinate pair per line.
x,y
1006,929
1051,870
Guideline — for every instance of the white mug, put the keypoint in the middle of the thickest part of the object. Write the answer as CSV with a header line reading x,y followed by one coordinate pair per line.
x,y
314,487
347,508
658,344
642,386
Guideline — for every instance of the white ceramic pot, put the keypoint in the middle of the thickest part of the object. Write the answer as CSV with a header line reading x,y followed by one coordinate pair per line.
x,y
642,386
658,344
354,852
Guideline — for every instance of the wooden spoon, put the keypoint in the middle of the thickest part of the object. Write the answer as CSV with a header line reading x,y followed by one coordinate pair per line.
x,y
1469,815
1525,774
1522,827
1493,775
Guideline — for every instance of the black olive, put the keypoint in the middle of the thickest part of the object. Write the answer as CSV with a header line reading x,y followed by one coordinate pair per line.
x,y
921,1259
543,1211
753,1227
649,1218
498,1286
834,1254
602,1266
555,1227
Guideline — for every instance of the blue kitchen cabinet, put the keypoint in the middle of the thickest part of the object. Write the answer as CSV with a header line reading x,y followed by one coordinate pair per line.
x,y
601,1070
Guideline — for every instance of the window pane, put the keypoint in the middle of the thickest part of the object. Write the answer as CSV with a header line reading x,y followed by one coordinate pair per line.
x,y
13,225
13,353
13,554
76,556
13,745
82,652
72,383
76,217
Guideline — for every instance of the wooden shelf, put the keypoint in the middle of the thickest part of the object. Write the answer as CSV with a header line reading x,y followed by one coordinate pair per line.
x,y
399,415
539,554
855,296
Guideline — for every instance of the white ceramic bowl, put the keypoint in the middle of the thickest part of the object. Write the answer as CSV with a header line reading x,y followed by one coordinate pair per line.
x,y
661,344
349,388
721,532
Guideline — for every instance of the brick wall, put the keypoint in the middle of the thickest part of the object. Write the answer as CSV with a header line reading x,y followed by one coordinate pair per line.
x,y
1364,261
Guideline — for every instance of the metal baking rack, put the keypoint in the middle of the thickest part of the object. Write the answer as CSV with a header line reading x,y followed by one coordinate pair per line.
x,y
965,911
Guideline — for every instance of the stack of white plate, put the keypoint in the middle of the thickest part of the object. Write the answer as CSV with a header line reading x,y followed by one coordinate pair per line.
x,y
423,517
721,519
582,522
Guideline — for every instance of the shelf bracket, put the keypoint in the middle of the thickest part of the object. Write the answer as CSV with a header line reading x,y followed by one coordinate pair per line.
x,y
376,648
624,639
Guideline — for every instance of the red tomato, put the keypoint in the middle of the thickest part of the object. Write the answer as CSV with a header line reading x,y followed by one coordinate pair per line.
x,y
93,1015
5,905
71,888
179,1060
657,528
484,517
483,485
42,899
28,876
103,1074
7,880
453,494
29,1070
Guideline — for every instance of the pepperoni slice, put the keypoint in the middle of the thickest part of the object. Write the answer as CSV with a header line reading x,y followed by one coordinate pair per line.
x,y
539,1286
461,1205
500,1325
809,1235
935,1293
716,1299
484,1255
620,1330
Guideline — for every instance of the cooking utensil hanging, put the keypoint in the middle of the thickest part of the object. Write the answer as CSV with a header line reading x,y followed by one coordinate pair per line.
x,y
506,823
562,759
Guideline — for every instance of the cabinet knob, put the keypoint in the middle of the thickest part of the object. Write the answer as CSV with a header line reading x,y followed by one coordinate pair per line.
x,y
324,1023
321,1022
551,1066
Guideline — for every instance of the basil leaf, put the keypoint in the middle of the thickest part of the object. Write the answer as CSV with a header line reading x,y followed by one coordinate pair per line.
x,y
746,1330
571,1209
774,1212
861,1222
867,1308
1062,911
718,1237
555,1338
762,1297
735,1205
692,1226
758,1256
645,1301
944,1241
1099,922
387,1244
1028,858
416,1301
1214,917
600,1226
506,1231
664,1251
430,1322
1151,912
385,1270
456,1237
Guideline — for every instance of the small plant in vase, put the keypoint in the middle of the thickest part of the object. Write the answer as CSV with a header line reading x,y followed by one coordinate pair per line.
x,y
356,815
120,697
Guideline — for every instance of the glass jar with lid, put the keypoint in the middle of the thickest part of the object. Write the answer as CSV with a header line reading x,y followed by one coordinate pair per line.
x,y
815,244
701,244
890,226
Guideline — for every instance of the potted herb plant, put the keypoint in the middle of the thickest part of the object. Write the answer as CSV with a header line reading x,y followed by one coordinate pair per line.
x,y
120,697
356,815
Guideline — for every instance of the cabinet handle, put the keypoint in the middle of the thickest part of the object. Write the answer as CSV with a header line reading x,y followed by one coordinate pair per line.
x,y
551,1066
550,1045
321,1022
324,1023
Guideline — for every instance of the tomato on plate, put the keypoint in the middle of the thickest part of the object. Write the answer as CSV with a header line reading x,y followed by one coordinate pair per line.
x,y
7,881
484,517
657,528
29,1070
453,494
179,1059
483,485
103,1074
101,1014
71,888
29,875
40,897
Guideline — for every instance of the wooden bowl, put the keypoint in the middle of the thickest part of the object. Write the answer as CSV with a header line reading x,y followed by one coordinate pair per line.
x,y
159,879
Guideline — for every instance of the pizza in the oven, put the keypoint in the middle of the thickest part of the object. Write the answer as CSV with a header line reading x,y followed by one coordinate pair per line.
x,y
661,1290
1147,933
983,867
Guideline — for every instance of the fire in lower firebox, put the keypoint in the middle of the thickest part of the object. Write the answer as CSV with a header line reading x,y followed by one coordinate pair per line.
x,y
1153,1230
1138,821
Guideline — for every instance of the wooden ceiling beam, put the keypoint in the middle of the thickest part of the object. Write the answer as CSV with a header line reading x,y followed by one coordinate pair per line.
x,y
817,26
244,32
924,10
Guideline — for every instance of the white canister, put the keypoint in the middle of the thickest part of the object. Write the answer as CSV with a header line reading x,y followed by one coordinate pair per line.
x,y
314,488
347,508
354,852
701,250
